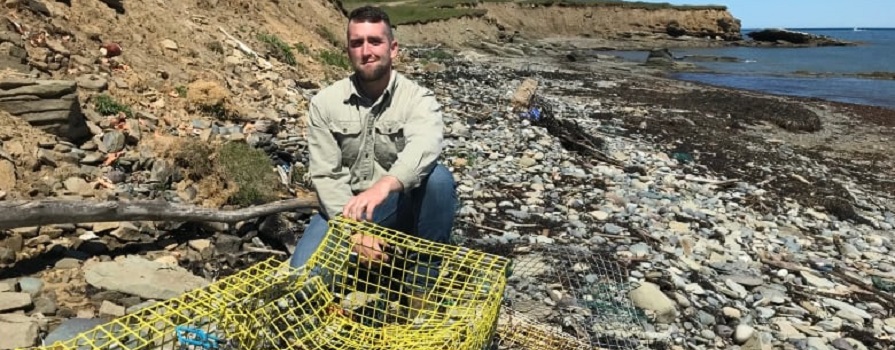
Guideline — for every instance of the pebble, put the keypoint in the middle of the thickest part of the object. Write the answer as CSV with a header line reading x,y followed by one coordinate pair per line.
x,y
742,333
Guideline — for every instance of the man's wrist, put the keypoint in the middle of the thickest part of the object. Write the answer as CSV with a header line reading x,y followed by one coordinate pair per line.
x,y
389,184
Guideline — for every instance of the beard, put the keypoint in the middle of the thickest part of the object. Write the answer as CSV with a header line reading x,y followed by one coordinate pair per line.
x,y
379,71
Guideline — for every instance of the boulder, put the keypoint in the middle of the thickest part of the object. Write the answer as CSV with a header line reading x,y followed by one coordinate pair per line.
x,y
793,37
50,105
660,57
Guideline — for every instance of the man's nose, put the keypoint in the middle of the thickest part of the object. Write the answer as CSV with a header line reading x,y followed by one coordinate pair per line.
x,y
366,49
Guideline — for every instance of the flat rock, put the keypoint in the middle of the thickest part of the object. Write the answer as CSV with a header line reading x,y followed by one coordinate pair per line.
x,y
816,281
843,306
41,88
19,107
77,185
18,332
746,280
92,82
138,276
13,301
70,328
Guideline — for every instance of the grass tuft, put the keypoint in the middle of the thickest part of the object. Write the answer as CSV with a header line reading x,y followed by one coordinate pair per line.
x,y
106,105
278,48
251,171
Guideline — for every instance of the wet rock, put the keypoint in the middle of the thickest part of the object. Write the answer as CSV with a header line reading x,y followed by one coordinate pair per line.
x,y
660,57
781,35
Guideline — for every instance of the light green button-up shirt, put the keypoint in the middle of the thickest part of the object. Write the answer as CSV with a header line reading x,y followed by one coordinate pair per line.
x,y
354,141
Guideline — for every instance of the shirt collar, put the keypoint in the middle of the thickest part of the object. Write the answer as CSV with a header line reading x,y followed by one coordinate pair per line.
x,y
353,93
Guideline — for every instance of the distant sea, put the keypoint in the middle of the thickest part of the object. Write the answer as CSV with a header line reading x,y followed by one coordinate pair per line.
x,y
782,70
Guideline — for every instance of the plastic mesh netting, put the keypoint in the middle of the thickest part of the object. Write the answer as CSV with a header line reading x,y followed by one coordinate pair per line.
x,y
424,296
565,297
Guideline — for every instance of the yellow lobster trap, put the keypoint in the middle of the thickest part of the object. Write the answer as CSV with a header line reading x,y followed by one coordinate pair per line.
x,y
424,295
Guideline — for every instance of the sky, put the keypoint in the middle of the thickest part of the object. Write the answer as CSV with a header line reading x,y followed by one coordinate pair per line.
x,y
805,13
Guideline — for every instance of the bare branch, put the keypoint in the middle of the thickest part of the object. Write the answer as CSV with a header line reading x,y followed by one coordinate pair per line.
x,y
47,212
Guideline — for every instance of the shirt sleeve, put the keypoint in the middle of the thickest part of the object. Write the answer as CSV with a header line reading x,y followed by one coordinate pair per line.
x,y
423,133
329,177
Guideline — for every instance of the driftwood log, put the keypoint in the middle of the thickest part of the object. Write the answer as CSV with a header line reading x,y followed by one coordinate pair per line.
x,y
15,214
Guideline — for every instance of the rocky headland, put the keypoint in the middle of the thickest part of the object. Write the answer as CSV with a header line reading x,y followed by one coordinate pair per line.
x,y
741,221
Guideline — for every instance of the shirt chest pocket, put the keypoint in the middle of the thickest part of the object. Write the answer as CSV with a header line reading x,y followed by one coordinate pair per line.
x,y
348,135
390,141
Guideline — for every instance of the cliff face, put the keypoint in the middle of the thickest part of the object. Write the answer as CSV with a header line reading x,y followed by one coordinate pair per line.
x,y
609,22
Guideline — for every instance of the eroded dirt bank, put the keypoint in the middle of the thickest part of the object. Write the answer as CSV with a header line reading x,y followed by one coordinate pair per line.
x,y
700,26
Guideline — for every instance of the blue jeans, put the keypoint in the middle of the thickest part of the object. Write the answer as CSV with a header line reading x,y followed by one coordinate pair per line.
x,y
426,212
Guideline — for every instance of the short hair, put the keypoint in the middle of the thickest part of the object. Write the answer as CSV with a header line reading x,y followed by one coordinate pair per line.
x,y
371,14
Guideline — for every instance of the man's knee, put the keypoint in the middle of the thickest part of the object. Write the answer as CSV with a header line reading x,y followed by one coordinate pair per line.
x,y
440,178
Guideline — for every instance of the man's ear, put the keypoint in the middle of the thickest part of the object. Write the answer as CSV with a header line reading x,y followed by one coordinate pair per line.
x,y
394,48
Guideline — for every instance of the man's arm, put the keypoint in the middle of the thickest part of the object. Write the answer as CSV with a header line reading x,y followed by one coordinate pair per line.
x,y
423,132
329,177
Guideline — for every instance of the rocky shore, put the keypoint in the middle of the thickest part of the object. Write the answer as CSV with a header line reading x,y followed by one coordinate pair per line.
x,y
740,220
739,226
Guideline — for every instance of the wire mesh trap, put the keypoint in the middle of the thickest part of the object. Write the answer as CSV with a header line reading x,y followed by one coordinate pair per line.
x,y
204,318
426,295
567,297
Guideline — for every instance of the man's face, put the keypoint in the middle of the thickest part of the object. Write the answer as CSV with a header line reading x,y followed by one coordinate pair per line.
x,y
370,50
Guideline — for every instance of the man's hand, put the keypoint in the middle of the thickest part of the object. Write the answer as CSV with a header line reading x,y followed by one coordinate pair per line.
x,y
369,248
367,201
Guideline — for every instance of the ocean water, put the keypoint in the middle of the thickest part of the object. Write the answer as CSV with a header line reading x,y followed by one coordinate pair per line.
x,y
832,71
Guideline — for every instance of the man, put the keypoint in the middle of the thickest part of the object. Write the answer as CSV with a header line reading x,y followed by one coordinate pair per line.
x,y
374,140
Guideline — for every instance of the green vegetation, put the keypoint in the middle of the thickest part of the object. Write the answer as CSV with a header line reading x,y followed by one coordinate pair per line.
x,y
215,46
335,58
302,49
437,55
424,11
417,14
278,48
195,156
251,170
329,36
106,105
181,90
625,4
